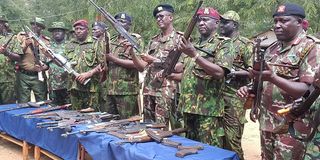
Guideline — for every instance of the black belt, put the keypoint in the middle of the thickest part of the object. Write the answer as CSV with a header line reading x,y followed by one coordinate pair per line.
x,y
30,73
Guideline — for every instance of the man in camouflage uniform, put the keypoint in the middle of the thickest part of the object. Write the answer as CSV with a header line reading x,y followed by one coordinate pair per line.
x,y
234,114
122,76
159,101
80,51
201,99
7,66
292,60
57,76
31,64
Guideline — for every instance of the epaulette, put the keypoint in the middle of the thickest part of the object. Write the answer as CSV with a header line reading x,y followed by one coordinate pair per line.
x,y
179,32
136,35
21,33
155,37
223,38
315,39
245,40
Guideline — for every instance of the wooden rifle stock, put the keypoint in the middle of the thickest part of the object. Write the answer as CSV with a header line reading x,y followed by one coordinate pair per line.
x,y
174,54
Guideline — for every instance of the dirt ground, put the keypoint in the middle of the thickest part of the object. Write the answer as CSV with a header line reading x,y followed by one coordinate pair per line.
x,y
251,146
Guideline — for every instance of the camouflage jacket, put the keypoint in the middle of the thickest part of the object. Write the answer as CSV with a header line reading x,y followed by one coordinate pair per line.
x,y
241,48
58,78
160,47
301,57
201,93
7,66
85,58
121,80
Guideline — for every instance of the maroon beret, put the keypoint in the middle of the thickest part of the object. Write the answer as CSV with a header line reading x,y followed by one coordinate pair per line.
x,y
209,11
81,22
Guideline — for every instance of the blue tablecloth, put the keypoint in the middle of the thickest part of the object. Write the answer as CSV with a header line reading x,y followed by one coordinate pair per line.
x,y
99,145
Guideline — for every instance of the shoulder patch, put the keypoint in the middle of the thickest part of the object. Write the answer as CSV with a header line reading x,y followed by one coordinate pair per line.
x,y
315,39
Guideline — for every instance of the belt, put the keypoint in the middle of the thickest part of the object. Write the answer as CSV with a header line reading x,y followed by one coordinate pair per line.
x,y
30,73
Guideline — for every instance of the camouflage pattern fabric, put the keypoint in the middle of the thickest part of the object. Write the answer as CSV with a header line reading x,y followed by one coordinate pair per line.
x,y
60,96
313,147
205,129
303,56
124,105
122,82
85,58
160,47
234,114
7,74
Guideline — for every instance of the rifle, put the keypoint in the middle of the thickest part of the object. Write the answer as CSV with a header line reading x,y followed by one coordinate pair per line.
x,y
44,110
57,58
104,126
254,99
299,108
117,26
28,105
105,66
8,41
174,55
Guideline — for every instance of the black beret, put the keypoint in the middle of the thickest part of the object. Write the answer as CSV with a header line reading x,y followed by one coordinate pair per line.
x,y
123,15
290,9
162,7
100,24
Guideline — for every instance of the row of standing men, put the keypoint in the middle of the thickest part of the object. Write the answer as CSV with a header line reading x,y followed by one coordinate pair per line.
x,y
205,79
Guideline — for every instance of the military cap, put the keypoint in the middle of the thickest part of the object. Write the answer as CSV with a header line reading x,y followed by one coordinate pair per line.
x,y
208,11
162,7
57,25
100,24
231,16
3,19
81,22
124,16
38,21
290,9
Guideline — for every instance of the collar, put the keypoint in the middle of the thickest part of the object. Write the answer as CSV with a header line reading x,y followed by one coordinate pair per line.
x,y
294,42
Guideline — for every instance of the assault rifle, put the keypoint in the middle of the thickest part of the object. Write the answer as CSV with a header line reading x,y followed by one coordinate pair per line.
x,y
27,105
57,58
173,57
299,108
105,126
44,110
254,99
117,26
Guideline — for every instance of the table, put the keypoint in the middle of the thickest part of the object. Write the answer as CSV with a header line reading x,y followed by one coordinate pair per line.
x,y
100,146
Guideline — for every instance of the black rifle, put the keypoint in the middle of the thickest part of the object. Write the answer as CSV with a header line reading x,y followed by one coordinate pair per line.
x,y
28,105
254,99
173,57
117,26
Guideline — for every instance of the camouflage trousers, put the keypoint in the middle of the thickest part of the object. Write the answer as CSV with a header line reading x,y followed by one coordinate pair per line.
x,y
7,93
60,96
313,147
26,83
83,99
124,105
280,147
233,123
161,110
206,129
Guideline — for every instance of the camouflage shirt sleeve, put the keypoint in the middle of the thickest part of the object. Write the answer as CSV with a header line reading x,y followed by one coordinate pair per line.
x,y
309,64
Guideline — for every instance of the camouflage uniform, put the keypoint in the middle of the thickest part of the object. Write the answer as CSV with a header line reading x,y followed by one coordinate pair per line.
x,y
85,58
302,55
201,99
122,83
58,78
234,115
27,76
159,102
313,147
7,74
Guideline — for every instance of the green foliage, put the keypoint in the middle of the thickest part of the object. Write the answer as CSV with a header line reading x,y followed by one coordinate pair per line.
x,y
256,15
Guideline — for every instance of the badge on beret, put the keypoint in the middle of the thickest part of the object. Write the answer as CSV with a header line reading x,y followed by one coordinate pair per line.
x,y
123,16
206,11
160,8
281,9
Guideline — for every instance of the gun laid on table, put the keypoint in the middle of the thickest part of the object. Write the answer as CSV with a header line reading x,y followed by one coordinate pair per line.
x,y
117,26
44,110
57,58
28,105
254,99
174,55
